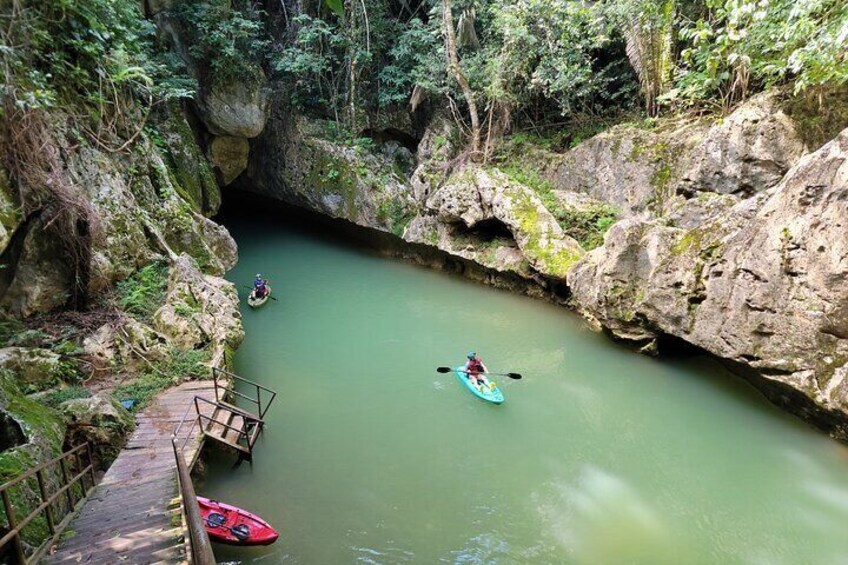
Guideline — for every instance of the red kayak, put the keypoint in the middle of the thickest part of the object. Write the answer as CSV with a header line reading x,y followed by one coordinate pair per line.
x,y
234,526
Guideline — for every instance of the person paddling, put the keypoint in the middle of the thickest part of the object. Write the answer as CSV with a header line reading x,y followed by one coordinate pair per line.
x,y
475,369
260,286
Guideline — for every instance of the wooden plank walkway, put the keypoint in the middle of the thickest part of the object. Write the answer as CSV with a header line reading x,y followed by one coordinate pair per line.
x,y
133,516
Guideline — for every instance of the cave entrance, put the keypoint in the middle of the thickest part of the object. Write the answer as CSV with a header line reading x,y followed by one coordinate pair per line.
x,y
490,230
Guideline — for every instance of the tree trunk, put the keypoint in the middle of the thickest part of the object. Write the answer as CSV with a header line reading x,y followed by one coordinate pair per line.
x,y
459,76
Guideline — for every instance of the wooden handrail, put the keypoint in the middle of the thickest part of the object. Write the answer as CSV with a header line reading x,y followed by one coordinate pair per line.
x,y
201,547
47,501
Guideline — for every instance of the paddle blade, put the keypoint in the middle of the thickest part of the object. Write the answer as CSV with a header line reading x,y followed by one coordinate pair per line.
x,y
515,376
444,370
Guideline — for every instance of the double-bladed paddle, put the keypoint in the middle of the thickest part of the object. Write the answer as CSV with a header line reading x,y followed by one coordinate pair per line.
x,y
515,376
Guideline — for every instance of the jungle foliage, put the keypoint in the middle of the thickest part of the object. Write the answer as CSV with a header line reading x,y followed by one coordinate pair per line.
x,y
550,62
537,63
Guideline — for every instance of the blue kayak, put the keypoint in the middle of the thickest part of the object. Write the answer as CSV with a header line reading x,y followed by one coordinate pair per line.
x,y
489,391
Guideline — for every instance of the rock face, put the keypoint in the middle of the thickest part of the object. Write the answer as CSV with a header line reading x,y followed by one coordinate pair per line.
x,y
298,163
229,155
763,284
747,152
640,170
40,278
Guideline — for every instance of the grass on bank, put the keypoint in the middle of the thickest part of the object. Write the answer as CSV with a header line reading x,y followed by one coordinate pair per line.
x,y
181,366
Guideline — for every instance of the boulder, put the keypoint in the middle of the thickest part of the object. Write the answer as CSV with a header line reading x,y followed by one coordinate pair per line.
x,y
35,369
199,311
236,108
229,156
100,420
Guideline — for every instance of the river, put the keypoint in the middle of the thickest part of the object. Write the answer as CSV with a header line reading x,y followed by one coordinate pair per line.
x,y
599,455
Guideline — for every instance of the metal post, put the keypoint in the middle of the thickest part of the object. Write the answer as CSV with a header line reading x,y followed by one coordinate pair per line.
x,y
47,510
10,516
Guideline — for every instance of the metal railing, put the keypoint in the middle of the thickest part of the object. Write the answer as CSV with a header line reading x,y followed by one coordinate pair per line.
x,y
199,544
222,387
243,432
69,477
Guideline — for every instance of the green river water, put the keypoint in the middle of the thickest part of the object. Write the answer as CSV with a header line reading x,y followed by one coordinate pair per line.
x,y
599,455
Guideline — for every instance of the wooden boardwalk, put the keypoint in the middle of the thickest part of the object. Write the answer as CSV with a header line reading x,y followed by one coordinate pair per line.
x,y
133,516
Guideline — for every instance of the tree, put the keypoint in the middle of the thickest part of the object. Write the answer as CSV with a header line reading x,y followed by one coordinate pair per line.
x,y
456,71
647,28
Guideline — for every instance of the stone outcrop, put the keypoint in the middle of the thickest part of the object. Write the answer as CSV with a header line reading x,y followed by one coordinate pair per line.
x,y
747,152
298,162
762,284
229,156
29,433
476,196
200,311
100,420
639,170
35,369
235,108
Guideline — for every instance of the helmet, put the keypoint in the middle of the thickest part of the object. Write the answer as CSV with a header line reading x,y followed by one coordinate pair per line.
x,y
471,355
258,276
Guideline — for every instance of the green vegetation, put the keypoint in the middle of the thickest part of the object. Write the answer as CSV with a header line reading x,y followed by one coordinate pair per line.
x,y
55,398
395,215
181,366
228,38
144,292
586,224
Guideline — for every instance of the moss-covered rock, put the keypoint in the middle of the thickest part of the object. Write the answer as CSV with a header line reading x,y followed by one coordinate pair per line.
x,y
39,435
476,196
100,420
35,369
190,170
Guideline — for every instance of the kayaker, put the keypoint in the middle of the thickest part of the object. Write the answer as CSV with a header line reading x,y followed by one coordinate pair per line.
x,y
260,287
475,369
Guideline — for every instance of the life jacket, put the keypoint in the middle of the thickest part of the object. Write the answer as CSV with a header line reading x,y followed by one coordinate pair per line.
x,y
474,366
